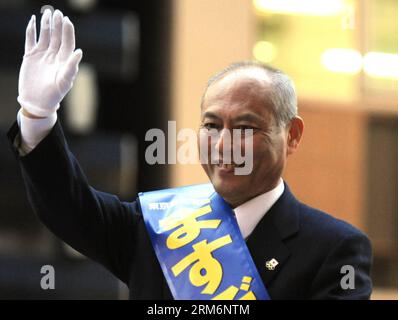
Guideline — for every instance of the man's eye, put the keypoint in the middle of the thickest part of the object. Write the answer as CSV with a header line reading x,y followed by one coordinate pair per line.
x,y
245,127
210,126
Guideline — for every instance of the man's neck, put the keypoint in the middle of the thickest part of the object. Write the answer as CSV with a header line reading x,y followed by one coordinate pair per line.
x,y
234,203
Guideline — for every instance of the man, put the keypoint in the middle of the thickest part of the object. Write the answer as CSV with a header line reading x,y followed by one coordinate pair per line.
x,y
297,252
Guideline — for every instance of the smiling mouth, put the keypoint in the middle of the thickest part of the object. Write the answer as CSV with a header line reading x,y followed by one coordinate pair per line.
x,y
229,166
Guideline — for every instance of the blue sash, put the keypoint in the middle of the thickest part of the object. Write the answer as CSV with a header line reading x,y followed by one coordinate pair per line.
x,y
199,245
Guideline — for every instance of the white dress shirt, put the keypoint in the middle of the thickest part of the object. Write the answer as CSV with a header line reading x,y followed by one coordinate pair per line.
x,y
251,212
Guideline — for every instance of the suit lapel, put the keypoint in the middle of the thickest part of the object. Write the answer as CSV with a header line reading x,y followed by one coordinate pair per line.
x,y
264,245
267,240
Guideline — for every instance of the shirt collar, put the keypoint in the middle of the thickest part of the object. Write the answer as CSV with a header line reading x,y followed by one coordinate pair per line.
x,y
249,214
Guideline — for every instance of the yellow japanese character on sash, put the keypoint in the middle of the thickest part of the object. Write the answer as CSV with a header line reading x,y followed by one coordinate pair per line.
x,y
231,292
189,227
206,269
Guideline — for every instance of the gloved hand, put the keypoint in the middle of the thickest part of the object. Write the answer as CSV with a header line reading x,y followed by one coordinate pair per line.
x,y
49,66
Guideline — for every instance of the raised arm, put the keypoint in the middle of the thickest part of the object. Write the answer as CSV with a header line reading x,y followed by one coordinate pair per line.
x,y
95,223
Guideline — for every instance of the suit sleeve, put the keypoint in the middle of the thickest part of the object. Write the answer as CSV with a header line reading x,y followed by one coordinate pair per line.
x,y
94,223
333,278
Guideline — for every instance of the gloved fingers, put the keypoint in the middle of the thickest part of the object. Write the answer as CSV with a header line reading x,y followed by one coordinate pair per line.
x,y
68,72
68,40
56,32
72,65
30,38
45,30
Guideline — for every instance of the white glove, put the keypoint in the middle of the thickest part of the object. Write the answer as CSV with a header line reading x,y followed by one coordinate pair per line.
x,y
49,66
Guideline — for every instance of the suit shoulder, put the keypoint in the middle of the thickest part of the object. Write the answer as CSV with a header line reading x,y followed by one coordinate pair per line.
x,y
325,226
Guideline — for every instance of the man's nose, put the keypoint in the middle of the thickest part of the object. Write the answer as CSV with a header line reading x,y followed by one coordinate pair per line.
x,y
224,141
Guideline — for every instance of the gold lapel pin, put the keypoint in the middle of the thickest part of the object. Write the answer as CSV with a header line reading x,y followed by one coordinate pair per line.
x,y
271,264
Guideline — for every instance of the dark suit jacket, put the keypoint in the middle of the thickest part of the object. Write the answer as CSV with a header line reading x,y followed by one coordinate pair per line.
x,y
310,246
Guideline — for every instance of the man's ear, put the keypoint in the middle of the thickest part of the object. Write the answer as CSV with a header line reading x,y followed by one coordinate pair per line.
x,y
295,133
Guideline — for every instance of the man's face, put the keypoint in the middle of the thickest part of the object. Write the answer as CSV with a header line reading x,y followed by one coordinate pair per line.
x,y
237,102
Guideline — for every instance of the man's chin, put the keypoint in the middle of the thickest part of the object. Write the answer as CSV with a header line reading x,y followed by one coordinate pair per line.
x,y
231,192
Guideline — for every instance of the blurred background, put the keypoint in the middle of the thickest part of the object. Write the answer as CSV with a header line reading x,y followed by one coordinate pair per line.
x,y
147,61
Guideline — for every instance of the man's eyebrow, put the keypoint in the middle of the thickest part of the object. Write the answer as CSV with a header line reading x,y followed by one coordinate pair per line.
x,y
211,115
250,117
